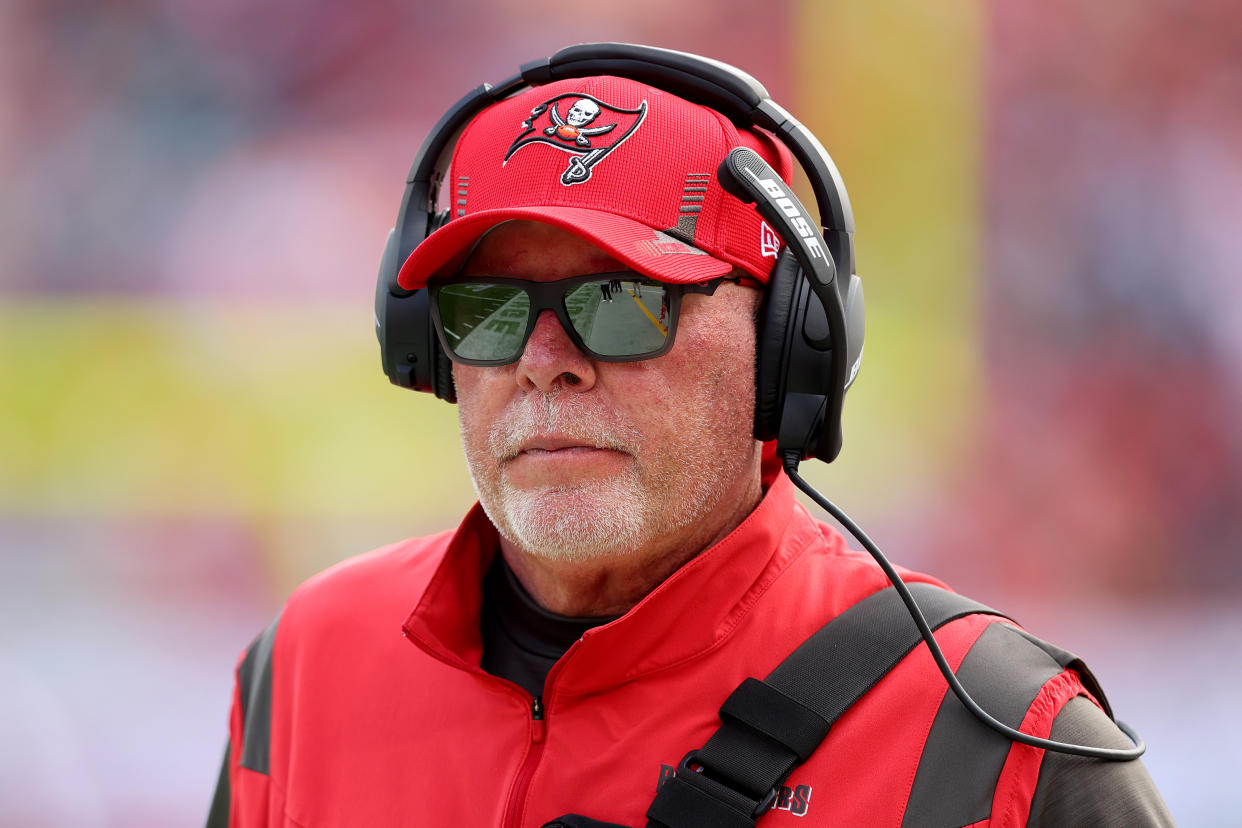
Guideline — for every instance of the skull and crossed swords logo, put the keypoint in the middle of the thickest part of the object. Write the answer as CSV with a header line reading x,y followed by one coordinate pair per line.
x,y
574,134
579,115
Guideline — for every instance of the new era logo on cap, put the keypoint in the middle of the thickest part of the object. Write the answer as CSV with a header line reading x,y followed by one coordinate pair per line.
x,y
627,166
769,242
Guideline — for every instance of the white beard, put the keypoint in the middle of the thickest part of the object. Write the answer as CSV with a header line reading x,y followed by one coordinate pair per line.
x,y
605,516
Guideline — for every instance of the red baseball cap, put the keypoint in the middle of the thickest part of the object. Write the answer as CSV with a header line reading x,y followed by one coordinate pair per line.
x,y
624,165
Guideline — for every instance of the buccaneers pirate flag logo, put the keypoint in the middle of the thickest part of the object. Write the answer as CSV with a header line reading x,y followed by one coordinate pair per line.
x,y
581,125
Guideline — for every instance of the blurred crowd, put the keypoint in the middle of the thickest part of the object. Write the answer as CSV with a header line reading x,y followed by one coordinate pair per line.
x,y
138,135
1110,456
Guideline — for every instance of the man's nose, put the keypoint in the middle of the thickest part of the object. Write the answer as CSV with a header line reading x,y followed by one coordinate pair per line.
x,y
551,358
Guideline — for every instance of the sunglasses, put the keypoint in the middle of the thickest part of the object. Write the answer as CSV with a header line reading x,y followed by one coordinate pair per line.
x,y
612,317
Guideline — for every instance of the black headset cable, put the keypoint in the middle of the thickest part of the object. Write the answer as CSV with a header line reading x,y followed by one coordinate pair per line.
x,y
790,461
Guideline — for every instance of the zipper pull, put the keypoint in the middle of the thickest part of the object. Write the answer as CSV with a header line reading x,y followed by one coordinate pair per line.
x,y
536,715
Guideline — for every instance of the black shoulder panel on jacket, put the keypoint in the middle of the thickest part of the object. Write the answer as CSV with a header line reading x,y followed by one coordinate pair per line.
x,y
254,679
1072,662
1004,672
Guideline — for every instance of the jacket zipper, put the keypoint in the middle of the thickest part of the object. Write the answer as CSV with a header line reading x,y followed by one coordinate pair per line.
x,y
517,798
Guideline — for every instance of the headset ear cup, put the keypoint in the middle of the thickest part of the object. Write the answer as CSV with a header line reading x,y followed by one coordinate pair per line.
x,y
393,363
855,328
443,377
772,345
437,220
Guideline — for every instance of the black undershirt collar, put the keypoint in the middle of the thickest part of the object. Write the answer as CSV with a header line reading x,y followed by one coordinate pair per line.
x,y
521,639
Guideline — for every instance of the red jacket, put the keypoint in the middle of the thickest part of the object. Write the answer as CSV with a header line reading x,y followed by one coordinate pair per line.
x,y
355,710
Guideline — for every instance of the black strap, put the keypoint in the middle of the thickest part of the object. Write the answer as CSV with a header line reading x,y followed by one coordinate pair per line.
x,y
770,727
579,821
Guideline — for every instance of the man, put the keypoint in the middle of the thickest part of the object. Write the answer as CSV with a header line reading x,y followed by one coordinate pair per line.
x,y
636,553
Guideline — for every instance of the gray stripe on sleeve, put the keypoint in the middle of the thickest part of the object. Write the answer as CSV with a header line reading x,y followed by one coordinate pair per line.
x,y
254,678
962,758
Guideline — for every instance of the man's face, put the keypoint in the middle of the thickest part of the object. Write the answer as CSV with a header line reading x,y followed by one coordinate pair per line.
x,y
577,459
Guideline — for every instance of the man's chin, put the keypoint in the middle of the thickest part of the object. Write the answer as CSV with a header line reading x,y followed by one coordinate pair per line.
x,y
578,523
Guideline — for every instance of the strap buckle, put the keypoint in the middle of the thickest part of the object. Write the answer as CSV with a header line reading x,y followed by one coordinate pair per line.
x,y
691,770
767,803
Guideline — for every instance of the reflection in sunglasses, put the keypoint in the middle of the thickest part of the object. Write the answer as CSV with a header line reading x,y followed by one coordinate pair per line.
x,y
495,324
486,320
634,294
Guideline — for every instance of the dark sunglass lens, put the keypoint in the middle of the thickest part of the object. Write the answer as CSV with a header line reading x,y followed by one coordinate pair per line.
x,y
620,317
485,322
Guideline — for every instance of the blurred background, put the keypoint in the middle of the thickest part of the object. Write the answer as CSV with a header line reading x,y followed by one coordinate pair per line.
x,y
1049,204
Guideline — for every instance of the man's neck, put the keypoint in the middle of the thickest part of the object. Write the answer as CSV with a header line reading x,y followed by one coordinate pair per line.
x,y
612,585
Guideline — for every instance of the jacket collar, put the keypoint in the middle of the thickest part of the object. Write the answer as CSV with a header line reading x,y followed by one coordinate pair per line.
x,y
694,610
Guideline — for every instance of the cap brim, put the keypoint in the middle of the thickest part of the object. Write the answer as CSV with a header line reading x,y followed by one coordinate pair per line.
x,y
637,246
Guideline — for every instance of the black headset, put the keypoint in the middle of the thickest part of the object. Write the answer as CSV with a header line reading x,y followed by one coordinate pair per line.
x,y
810,332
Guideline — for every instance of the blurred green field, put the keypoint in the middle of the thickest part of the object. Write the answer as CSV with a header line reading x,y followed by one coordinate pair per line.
x,y
160,408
